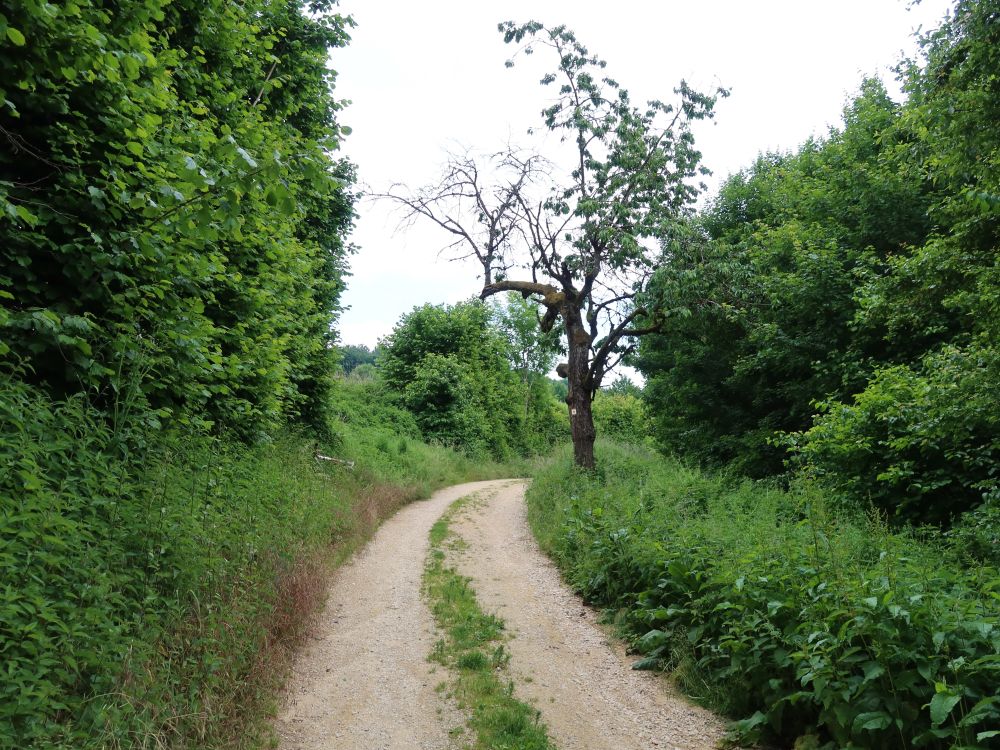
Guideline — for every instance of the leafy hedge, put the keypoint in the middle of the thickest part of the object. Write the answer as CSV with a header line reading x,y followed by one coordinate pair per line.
x,y
170,213
797,621
922,443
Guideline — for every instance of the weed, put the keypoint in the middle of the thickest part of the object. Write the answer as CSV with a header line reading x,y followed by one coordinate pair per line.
x,y
152,598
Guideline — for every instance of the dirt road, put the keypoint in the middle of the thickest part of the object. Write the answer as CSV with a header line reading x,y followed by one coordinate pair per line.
x,y
365,682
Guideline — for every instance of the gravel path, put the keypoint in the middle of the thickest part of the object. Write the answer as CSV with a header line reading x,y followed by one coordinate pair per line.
x,y
364,682
589,696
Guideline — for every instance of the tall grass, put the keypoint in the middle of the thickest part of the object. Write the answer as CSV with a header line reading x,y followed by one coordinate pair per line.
x,y
151,593
799,620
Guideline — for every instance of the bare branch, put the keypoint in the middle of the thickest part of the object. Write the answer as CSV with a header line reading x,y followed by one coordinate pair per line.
x,y
621,331
483,217
263,86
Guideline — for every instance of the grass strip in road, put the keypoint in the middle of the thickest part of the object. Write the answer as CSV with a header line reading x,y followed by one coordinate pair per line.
x,y
472,647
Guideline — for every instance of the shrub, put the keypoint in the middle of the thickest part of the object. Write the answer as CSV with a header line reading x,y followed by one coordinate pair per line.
x,y
149,592
920,443
798,619
621,416
451,365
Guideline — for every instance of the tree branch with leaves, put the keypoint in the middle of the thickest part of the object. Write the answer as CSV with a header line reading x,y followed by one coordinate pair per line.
x,y
585,249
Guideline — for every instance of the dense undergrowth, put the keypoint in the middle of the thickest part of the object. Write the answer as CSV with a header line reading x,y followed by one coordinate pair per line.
x,y
152,592
797,619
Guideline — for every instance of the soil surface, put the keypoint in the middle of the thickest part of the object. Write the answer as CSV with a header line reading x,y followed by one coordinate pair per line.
x,y
563,661
364,681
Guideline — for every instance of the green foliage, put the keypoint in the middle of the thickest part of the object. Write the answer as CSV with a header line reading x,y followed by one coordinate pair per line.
x,y
635,163
976,536
795,619
621,416
169,210
856,278
623,386
71,570
546,423
920,443
374,429
144,592
924,434
172,246
451,365
762,292
532,352
560,388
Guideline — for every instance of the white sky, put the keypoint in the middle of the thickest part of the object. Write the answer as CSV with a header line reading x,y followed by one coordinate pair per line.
x,y
423,77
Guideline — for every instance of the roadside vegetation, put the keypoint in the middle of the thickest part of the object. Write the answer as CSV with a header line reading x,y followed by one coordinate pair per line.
x,y
829,577
185,449
152,599
838,304
473,376
174,224
802,620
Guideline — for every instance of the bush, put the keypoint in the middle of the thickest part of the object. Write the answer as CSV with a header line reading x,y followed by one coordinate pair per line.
x,y
920,443
451,366
74,565
977,535
621,416
796,619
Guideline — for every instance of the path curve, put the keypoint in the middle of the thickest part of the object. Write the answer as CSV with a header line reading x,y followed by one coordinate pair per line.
x,y
589,696
364,682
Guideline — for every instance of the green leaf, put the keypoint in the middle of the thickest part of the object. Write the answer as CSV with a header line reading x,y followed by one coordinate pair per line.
x,y
26,215
650,662
871,720
873,670
251,162
15,36
135,148
942,705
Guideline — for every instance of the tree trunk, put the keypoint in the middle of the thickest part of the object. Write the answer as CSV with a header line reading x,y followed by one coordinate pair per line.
x,y
581,416
581,422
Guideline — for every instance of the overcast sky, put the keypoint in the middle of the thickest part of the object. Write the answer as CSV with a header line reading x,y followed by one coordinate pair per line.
x,y
424,77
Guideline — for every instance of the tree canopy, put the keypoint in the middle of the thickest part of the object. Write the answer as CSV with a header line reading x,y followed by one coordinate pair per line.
x,y
173,220
842,299
586,247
